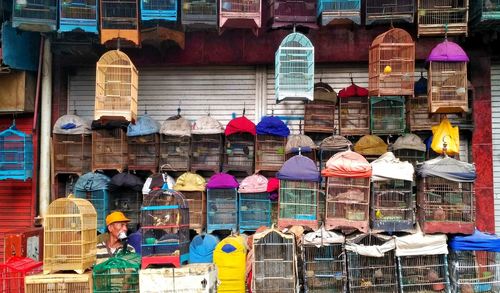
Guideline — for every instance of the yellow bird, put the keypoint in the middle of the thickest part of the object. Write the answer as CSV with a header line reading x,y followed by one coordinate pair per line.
x,y
387,69
378,214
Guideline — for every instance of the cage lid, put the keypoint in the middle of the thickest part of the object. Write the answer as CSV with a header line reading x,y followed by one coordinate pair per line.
x,y
388,167
113,57
347,164
353,91
125,180
176,125
323,237
420,87
409,141
92,182
477,241
296,141
299,168
448,168
324,92
448,51
272,125
335,142
370,145
71,124
201,248
253,184
222,181
393,36
143,126
190,182
240,125
158,181
353,245
207,125
420,244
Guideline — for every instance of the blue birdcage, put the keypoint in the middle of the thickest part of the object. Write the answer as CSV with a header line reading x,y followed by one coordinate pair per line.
x,y
294,69
16,154
35,15
159,10
199,14
339,11
222,203
78,15
254,205
94,188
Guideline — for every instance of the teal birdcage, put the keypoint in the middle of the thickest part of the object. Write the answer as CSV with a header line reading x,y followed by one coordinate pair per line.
x,y
294,69
339,11
16,154
35,15
387,115
117,274
78,15
94,188
159,10
199,13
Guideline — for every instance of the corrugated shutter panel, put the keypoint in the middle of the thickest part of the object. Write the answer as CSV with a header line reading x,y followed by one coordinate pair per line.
x,y
495,119
223,90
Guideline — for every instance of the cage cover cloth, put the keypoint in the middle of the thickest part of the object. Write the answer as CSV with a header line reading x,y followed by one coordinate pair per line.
x,y
143,126
323,92
388,167
201,249
273,184
230,259
253,184
222,181
271,125
190,182
335,143
71,124
370,250
409,141
323,237
92,182
299,141
207,125
176,125
347,164
370,145
443,133
240,125
448,52
448,168
353,91
420,244
420,87
299,168
477,241
110,122
158,181
125,180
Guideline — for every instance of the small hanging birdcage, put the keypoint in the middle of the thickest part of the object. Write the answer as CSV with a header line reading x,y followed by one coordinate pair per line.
x,y
175,144
206,145
270,144
384,11
222,203
119,273
120,23
339,11
239,146
143,144
354,111
16,154
193,188
254,205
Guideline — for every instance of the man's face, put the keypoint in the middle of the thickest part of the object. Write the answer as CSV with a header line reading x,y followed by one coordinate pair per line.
x,y
117,227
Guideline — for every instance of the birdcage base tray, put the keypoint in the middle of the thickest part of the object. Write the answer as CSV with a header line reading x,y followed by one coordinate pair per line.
x,y
447,227
174,260
393,226
284,223
342,17
344,224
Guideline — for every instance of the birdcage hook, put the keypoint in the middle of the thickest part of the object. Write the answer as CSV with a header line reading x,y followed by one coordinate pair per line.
x,y
208,110
244,108
350,76
145,109
179,109
272,111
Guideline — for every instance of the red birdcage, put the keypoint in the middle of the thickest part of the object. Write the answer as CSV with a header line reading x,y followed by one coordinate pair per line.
x,y
13,272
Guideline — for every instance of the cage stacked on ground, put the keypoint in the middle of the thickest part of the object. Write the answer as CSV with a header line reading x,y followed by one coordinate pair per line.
x,y
270,144
165,228
347,191
354,110
300,144
193,187
422,263
409,147
254,205
324,262
71,145
143,144
274,266
206,145
298,193
445,196
371,263
125,196
222,203
230,258
14,271
239,146
119,273
392,202
175,144
319,115
371,147
475,263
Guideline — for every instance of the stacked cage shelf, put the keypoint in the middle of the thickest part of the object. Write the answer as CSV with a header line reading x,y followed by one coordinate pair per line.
x,y
222,203
193,188
254,205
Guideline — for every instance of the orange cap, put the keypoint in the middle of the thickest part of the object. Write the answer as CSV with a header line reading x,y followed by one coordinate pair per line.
x,y
116,217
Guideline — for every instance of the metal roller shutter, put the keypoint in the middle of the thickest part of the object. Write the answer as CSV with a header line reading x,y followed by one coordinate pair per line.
x,y
495,119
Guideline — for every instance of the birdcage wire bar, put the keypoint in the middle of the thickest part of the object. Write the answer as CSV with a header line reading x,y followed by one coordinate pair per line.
x,y
440,17
354,116
109,149
16,154
119,273
175,152
393,206
320,117
474,271
339,11
269,152
298,204
72,153
447,90
324,268
222,209
78,15
387,115
206,152
389,10
254,211
119,15
239,153
423,273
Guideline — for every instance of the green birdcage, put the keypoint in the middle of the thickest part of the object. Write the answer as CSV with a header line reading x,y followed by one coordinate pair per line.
x,y
387,115
118,274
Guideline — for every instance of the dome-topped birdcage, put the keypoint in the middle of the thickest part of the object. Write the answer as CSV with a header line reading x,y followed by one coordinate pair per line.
x,y
16,154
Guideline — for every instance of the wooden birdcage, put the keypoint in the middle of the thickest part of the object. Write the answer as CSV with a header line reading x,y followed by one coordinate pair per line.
x,y
14,271
368,273
392,64
423,273
60,283
294,66
199,14
300,144
109,149
474,270
387,115
119,273
16,154
254,211
441,17
385,11
392,206
165,229
418,117
80,15
339,11
143,152
269,152
72,153
319,115
222,209
160,10
206,152
119,21
286,13
37,16
447,84
240,14
274,267
330,146
354,111
117,84
239,153
70,236
129,202
175,153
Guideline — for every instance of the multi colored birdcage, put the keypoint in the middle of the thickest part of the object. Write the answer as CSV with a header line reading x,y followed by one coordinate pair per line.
x,y
16,154
385,11
254,205
387,115
222,203
80,15
193,188
37,16
443,17
354,111
175,144
119,273
339,11
94,188
239,146
14,271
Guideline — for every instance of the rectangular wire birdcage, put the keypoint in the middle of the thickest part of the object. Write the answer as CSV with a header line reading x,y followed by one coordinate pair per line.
x,y
447,90
418,117
347,203
319,116
143,152
14,271
239,153
324,268
254,211
119,273
440,17
240,14
339,11
474,271
175,152
72,153
197,202
222,209
78,15
109,149
298,204
165,10
199,13
275,262
129,202
389,11
100,200
387,115
423,273
269,152
35,15
16,154
60,283
206,152
354,116
392,206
